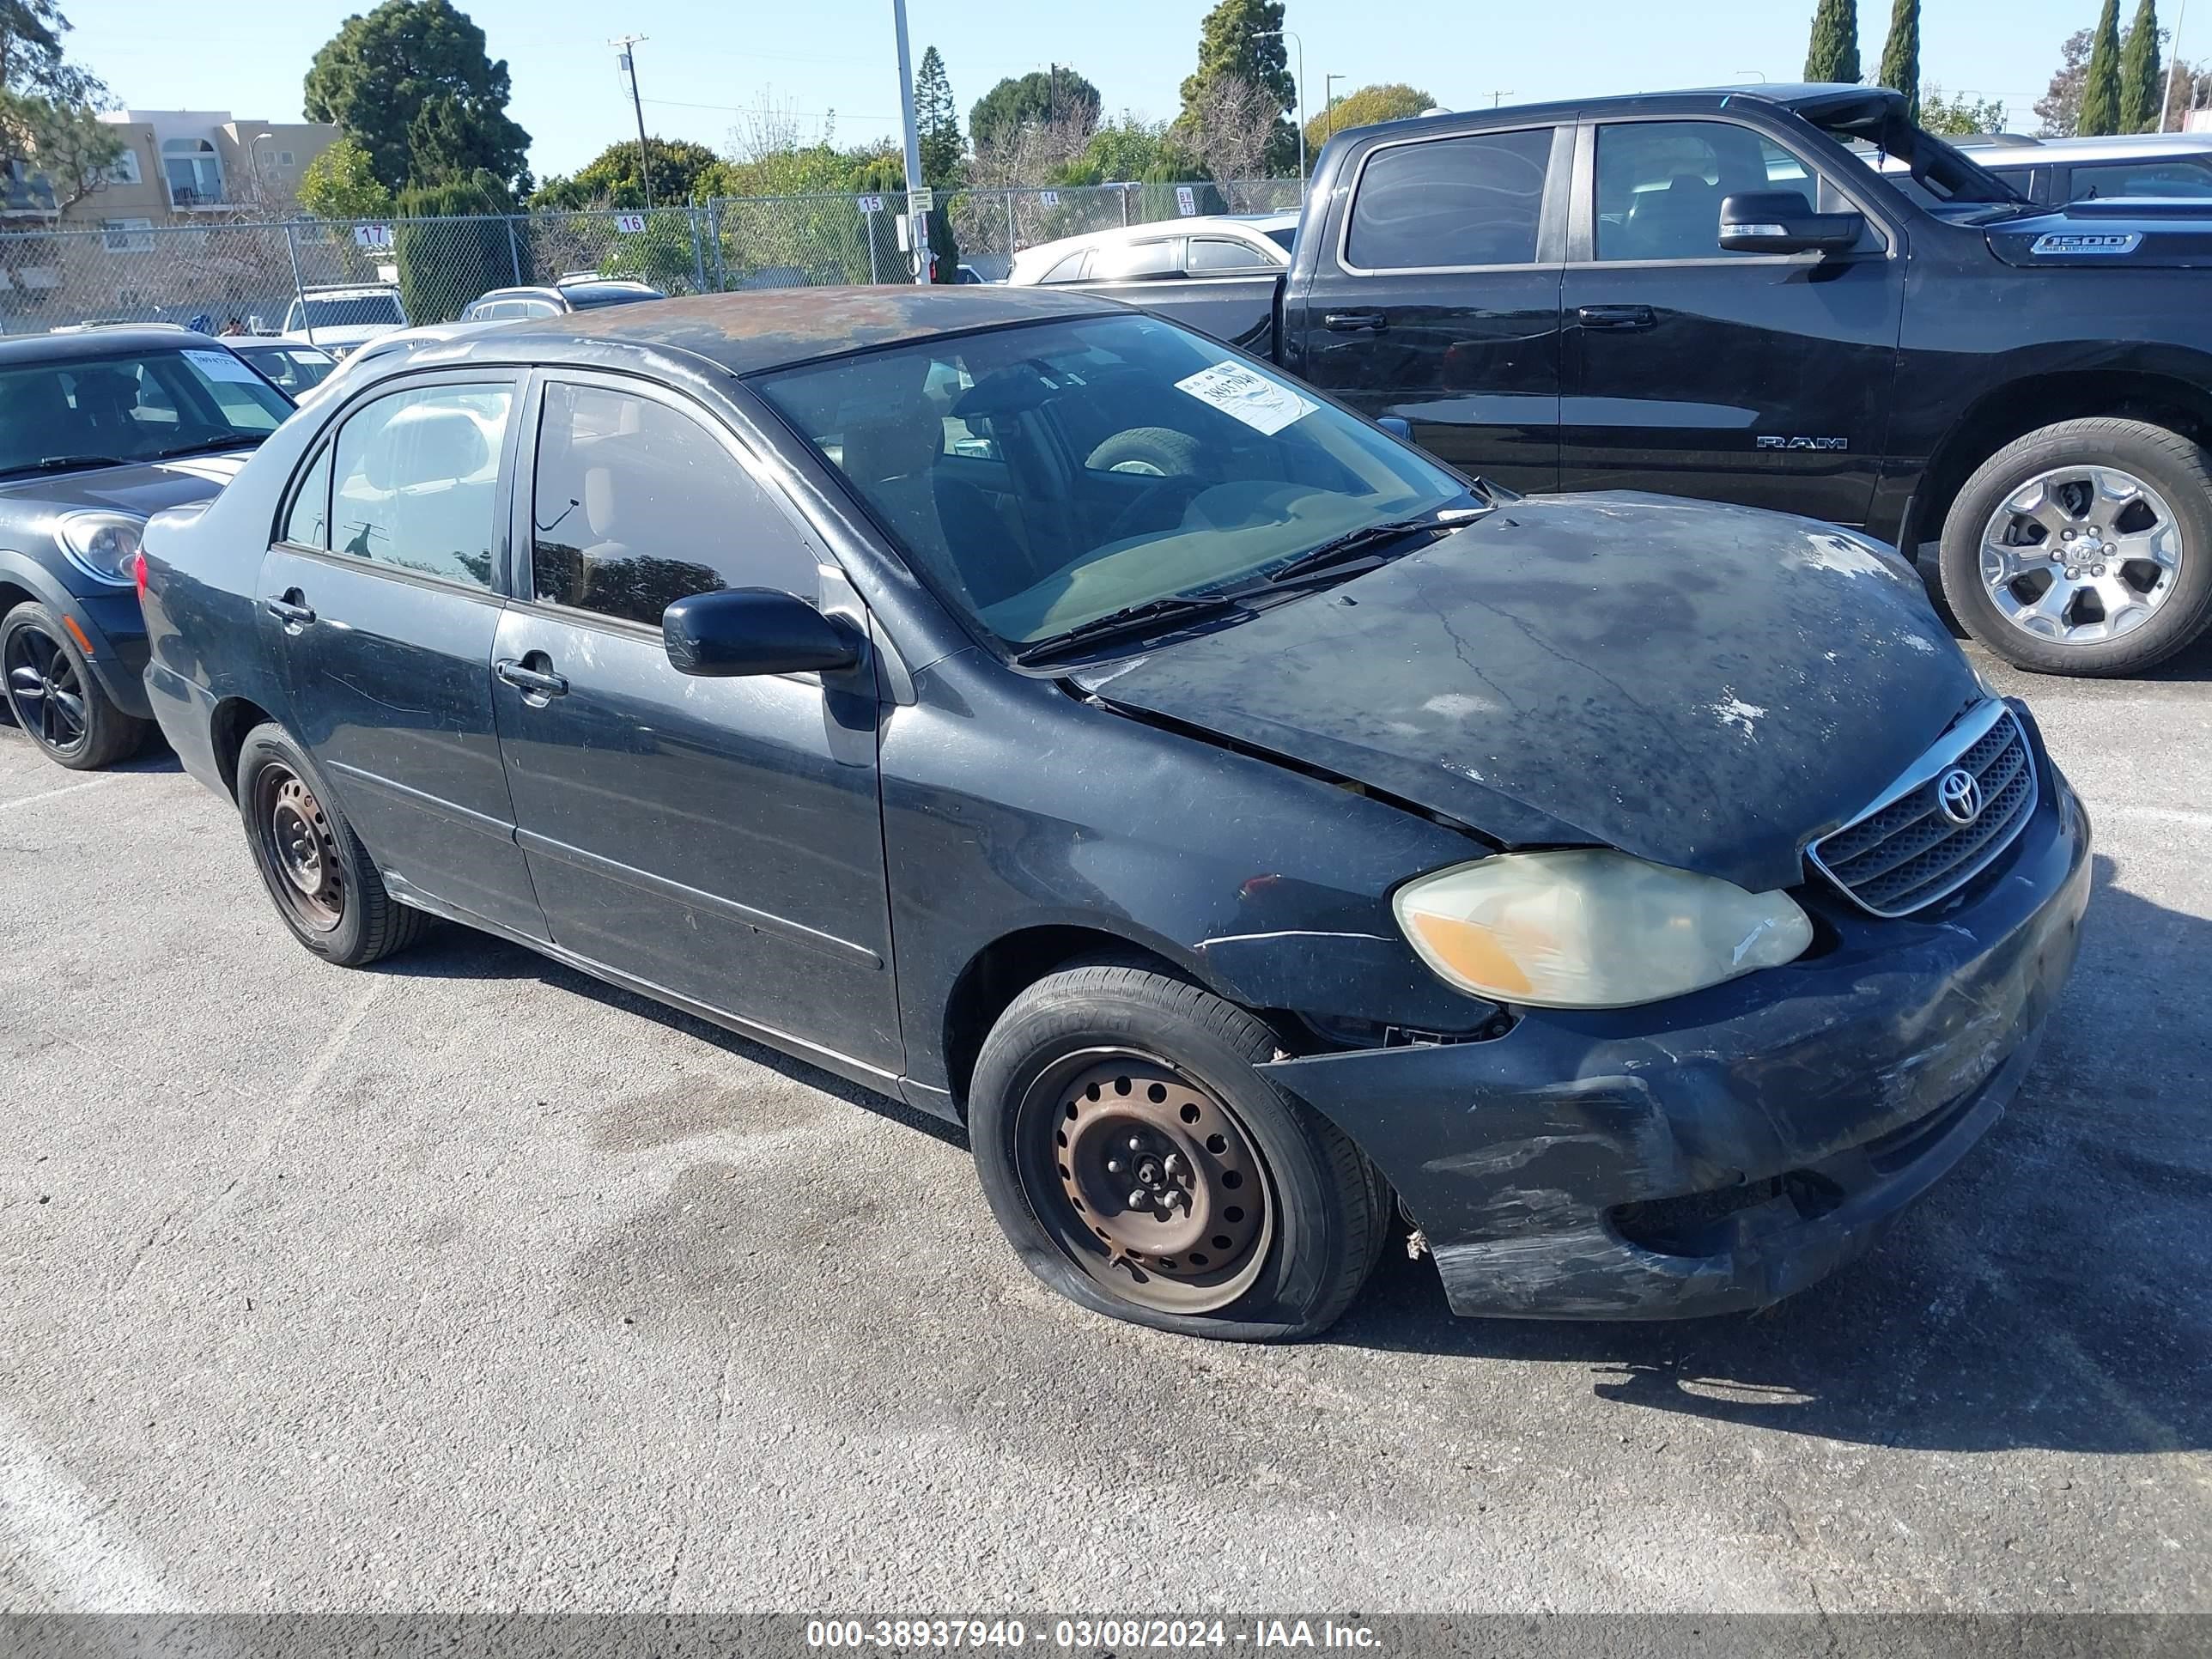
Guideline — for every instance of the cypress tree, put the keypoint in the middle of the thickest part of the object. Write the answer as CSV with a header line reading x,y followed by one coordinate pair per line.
x,y
2142,77
2100,84
1901,53
1834,53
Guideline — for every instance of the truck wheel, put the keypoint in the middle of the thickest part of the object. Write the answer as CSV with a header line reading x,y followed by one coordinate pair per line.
x,y
321,877
1142,1166
2084,548
52,694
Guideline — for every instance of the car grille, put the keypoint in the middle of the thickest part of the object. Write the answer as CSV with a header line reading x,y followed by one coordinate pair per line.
x,y
1904,852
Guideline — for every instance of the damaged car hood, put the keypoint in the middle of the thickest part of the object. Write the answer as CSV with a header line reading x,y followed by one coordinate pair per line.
x,y
1703,686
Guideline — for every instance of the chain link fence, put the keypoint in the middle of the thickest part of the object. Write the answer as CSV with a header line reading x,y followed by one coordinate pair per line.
x,y
130,271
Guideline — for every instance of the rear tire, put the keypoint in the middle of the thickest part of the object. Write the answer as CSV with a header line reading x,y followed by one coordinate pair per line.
x,y
1259,1221
2015,570
54,696
319,875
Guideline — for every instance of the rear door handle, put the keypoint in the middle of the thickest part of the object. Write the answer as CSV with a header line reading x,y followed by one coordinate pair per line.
x,y
1616,316
531,681
286,611
1352,322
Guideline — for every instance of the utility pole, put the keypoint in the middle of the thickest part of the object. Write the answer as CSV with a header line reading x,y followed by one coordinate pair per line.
x,y
1498,98
2189,76
623,44
918,222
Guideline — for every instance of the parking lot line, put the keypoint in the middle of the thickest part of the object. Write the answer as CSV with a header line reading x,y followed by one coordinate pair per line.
x,y
66,789
50,1522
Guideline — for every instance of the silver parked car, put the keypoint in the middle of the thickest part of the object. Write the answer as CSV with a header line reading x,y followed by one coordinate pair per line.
x,y
2138,166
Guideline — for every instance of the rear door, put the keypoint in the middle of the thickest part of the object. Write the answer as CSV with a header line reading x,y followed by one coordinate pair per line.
x,y
719,839
381,600
1762,379
1436,299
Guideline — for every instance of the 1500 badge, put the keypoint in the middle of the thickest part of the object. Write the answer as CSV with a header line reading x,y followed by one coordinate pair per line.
x,y
2087,242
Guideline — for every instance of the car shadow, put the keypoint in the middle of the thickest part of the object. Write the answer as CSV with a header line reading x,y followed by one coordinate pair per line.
x,y
2047,1293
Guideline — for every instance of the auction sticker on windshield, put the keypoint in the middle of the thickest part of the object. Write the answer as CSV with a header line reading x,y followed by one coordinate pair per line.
x,y
1258,402
222,366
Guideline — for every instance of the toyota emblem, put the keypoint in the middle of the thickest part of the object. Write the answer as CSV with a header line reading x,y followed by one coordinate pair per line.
x,y
1959,792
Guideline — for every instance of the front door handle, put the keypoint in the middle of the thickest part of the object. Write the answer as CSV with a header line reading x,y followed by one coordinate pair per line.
x,y
531,681
1352,322
1616,316
289,610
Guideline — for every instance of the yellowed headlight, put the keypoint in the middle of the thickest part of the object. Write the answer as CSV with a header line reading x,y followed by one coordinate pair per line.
x,y
1592,929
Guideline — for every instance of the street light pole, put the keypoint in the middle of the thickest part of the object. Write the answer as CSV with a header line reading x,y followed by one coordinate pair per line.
x,y
254,155
917,223
1292,35
2174,43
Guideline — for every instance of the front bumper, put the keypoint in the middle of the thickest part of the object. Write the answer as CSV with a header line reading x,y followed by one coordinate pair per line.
x,y
119,651
1722,1151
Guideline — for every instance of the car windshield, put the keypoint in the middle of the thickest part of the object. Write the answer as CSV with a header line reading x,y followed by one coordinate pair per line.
x,y
591,296
293,368
1047,476
347,311
1285,237
133,406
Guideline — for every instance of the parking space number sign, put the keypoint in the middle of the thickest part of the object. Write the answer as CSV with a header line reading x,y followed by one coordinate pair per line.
x,y
629,223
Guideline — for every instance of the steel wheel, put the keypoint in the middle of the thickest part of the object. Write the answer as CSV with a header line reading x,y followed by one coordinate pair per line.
x,y
46,693
2081,555
297,842
1146,1181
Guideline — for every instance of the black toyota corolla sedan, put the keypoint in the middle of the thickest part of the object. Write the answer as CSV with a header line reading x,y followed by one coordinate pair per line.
x,y
99,429
1646,896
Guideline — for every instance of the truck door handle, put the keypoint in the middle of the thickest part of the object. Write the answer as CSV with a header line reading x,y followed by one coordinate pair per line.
x,y
1616,316
531,681
289,609
1352,322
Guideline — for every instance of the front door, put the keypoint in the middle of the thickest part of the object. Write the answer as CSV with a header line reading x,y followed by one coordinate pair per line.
x,y
717,839
1442,308
1765,379
382,602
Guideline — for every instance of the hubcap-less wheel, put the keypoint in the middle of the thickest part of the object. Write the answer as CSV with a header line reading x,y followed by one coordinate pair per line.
x,y
44,692
297,840
1147,1180
2080,555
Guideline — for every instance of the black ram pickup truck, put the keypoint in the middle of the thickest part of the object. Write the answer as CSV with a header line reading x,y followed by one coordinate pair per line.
x,y
1721,294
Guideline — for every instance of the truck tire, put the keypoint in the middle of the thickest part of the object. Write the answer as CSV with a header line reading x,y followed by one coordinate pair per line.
x,y
2084,548
1259,1220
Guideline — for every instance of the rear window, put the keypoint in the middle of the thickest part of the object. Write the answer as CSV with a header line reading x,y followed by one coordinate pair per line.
x,y
351,311
1449,202
590,296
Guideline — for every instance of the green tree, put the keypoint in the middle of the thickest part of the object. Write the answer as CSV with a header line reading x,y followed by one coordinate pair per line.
x,y
1957,118
936,118
451,244
48,110
417,69
1901,53
1040,95
1392,101
1126,150
2101,83
339,184
1242,40
2142,77
1834,54
681,172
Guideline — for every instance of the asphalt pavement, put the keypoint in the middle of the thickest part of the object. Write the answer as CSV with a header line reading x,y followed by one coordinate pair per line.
x,y
466,1283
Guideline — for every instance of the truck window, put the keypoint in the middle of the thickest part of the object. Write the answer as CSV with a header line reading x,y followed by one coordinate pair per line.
x,y
1450,202
1660,184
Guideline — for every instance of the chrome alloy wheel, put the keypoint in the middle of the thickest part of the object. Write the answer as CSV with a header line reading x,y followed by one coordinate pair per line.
x,y
2080,555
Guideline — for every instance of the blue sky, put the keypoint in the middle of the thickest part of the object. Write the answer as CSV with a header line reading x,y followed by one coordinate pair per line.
x,y
705,60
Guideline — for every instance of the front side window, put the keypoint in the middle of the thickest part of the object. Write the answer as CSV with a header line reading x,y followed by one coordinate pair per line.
x,y
1449,202
1661,184
133,407
417,482
1194,471
636,505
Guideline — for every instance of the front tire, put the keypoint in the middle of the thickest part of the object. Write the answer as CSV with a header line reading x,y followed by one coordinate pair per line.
x,y
53,695
1141,1166
320,878
2084,548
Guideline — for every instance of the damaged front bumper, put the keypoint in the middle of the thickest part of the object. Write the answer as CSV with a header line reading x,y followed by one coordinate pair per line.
x,y
1722,1151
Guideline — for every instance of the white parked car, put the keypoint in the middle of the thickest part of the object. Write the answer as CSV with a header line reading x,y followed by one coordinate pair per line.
x,y
1212,244
339,317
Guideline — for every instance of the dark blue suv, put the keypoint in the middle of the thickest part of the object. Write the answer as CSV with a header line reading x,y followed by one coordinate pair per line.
x,y
98,430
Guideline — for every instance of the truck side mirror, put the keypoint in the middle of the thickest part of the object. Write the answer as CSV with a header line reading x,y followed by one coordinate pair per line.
x,y
1779,222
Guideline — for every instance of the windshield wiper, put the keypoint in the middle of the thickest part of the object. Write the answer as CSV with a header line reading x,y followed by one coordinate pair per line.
x,y
235,440
1133,619
46,461
1342,549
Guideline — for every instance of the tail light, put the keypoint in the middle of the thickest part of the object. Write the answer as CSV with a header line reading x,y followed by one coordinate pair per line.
x,y
138,573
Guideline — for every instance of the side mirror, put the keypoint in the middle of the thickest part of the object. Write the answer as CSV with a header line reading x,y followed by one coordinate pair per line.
x,y
754,630
1778,222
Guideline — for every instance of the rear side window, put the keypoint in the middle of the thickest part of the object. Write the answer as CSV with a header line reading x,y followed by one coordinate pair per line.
x,y
1139,259
417,480
1069,269
308,525
1470,201
636,505
2171,180
1219,253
